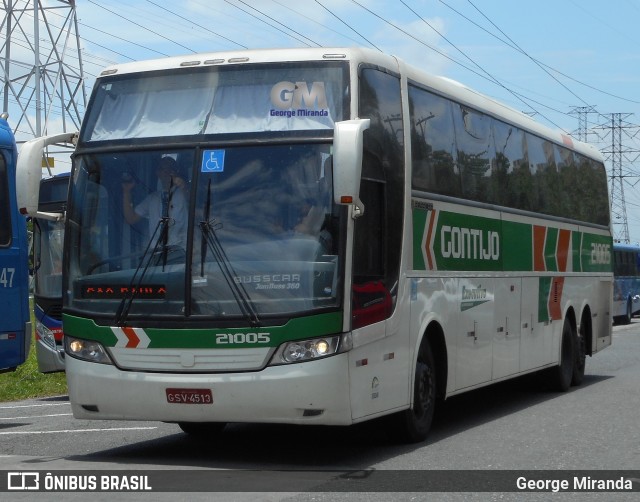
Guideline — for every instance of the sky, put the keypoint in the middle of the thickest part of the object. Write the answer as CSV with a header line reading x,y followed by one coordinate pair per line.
x,y
548,58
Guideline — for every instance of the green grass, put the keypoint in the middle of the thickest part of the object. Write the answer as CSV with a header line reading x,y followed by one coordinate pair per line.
x,y
27,382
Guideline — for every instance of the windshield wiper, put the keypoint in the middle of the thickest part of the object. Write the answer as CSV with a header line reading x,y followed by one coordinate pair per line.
x,y
210,241
147,258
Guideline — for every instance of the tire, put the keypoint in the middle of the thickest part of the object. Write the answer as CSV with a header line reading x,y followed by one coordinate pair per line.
x,y
413,425
626,319
202,429
562,375
580,361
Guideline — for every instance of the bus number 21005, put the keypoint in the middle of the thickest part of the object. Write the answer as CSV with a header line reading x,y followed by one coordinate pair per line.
x,y
238,338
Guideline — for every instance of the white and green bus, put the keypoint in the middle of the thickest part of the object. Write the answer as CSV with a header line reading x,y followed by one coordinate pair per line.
x,y
321,236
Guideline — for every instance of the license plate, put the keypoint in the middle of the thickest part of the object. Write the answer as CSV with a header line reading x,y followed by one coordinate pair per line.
x,y
189,396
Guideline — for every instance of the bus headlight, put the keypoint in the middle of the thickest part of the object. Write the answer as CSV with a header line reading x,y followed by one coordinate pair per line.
x,y
46,335
308,350
86,350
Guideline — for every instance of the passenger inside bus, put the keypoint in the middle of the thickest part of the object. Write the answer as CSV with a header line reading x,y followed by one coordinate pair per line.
x,y
166,209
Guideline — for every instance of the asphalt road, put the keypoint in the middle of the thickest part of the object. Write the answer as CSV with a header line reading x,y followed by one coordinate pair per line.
x,y
516,426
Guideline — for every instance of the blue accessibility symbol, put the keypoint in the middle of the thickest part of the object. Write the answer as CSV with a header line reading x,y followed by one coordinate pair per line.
x,y
213,161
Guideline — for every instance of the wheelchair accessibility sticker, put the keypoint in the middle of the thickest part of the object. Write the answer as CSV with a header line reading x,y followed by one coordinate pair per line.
x,y
212,161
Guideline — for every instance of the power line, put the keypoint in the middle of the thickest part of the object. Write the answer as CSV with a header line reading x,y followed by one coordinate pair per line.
x,y
555,70
268,24
141,26
522,51
488,76
196,24
316,22
349,26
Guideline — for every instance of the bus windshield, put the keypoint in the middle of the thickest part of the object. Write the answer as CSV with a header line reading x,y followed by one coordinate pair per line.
x,y
235,233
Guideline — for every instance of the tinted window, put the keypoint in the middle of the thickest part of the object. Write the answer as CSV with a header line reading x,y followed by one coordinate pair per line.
x,y
433,149
475,153
512,171
5,207
378,236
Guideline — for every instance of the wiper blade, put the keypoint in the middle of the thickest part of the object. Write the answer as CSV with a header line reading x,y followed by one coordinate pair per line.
x,y
210,241
134,285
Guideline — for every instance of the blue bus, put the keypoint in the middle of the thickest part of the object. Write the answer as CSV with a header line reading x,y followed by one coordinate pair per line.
x,y
626,282
47,259
15,324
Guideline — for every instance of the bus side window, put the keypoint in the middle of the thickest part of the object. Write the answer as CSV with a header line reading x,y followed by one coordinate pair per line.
x,y
372,300
5,213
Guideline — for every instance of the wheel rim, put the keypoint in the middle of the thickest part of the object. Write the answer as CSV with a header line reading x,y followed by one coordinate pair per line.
x,y
424,391
567,355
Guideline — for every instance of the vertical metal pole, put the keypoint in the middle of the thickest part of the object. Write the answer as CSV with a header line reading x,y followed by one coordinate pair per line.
x,y
7,57
38,68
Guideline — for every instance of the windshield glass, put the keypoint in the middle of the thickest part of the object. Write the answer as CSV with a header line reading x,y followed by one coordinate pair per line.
x,y
213,100
49,237
239,233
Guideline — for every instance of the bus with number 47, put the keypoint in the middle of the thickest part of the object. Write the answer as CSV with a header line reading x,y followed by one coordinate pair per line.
x,y
15,321
321,236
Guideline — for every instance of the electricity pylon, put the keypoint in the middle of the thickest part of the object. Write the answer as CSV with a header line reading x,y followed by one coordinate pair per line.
x,y
42,76
620,157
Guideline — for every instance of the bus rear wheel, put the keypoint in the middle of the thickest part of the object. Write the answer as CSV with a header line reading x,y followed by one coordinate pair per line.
x,y
580,357
414,423
562,374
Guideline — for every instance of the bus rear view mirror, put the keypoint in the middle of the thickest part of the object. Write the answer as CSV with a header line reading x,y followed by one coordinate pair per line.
x,y
29,173
347,162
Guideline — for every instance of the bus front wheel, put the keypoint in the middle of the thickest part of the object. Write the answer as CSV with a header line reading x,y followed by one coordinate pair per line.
x,y
414,423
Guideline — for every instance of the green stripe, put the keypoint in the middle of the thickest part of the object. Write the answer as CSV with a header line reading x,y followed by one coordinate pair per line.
x,y
544,287
518,239
462,241
550,246
295,329
419,228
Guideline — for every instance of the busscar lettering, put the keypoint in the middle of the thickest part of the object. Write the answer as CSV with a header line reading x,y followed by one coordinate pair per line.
x,y
469,243
266,278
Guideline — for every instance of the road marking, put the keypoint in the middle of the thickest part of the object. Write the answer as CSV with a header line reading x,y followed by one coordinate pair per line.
x,y
38,416
79,430
32,405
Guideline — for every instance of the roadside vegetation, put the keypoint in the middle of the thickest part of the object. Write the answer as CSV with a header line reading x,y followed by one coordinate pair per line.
x,y
27,382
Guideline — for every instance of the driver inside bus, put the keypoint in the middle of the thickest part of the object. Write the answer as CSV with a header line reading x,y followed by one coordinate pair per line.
x,y
169,201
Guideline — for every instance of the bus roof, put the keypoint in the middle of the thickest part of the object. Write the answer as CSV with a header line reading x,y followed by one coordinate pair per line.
x,y
626,247
6,136
442,85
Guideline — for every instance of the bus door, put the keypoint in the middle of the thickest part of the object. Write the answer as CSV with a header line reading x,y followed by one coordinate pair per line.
x,y
475,335
506,334
535,347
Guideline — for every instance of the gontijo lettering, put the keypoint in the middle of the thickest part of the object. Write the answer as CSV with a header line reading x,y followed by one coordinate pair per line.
x,y
469,243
